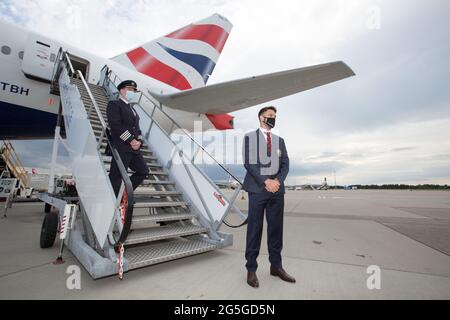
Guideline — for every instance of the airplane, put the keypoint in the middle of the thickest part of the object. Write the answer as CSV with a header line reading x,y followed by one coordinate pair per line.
x,y
174,69
308,186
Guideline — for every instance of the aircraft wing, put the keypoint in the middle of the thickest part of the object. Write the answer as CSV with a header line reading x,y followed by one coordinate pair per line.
x,y
243,93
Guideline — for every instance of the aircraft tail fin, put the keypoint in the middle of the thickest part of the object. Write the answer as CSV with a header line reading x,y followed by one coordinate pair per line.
x,y
183,59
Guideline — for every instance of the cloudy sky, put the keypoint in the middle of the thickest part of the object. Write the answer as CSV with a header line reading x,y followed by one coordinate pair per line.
x,y
388,124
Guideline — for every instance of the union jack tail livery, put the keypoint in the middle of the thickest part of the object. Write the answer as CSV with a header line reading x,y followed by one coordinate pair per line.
x,y
183,59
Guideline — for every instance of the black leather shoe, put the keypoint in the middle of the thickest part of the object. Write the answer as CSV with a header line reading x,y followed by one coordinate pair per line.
x,y
279,272
252,279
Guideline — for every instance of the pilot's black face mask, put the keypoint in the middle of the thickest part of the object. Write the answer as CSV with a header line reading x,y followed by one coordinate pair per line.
x,y
270,122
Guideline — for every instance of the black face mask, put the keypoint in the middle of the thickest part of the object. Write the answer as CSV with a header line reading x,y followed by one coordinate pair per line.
x,y
270,122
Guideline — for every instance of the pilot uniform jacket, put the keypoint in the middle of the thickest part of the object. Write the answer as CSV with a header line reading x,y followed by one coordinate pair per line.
x,y
261,166
124,124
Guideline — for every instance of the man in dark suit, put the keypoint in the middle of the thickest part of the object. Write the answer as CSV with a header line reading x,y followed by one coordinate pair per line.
x,y
126,135
267,164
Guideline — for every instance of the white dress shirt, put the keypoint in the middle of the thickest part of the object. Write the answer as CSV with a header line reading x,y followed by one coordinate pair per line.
x,y
264,132
128,105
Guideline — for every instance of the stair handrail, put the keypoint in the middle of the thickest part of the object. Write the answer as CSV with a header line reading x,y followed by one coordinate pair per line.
x,y
173,121
126,182
56,69
109,74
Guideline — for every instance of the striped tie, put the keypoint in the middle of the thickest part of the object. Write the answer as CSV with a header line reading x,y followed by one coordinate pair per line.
x,y
269,144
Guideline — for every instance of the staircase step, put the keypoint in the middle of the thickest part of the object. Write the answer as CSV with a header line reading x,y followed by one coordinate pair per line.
x,y
76,80
90,85
87,106
96,120
152,172
143,220
98,95
149,164
101,100
94,85
97,131
144,151
98,90
158,182
94,117
96,127
104,105
129,171
156,253
97,123
161,233
158,173
103,112
147,154
158,204
108,159
94,114
150,193
101,103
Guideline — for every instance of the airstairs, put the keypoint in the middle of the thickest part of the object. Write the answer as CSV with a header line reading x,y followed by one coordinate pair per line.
x,y
176,212
10,163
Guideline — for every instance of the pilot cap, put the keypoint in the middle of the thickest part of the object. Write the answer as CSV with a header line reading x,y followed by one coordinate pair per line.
x,y
127,83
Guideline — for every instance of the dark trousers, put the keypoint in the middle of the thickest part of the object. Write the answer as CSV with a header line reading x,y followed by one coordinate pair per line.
x,y
273,204
131,160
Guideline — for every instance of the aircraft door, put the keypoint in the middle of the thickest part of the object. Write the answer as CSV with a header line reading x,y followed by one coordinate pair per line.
x,y
39,57
81,64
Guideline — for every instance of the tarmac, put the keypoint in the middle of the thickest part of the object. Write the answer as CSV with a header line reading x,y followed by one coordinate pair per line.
x,y
330,240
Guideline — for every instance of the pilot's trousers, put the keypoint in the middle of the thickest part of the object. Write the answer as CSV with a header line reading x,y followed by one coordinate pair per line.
x,y
134,161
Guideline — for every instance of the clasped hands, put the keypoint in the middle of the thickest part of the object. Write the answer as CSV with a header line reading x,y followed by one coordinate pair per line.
x,y
272,185
135,144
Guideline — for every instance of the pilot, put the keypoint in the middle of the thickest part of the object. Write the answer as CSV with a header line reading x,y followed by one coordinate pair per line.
x,y
126,135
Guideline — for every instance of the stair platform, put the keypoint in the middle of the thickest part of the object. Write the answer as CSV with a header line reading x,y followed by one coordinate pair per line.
x,y
162,232
143,256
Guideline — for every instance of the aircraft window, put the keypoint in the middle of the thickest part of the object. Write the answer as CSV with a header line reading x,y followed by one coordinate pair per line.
x,y
21,55
52,57
6,50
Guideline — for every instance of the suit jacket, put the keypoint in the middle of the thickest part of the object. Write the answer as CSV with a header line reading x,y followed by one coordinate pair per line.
x,y
260,166
124,125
